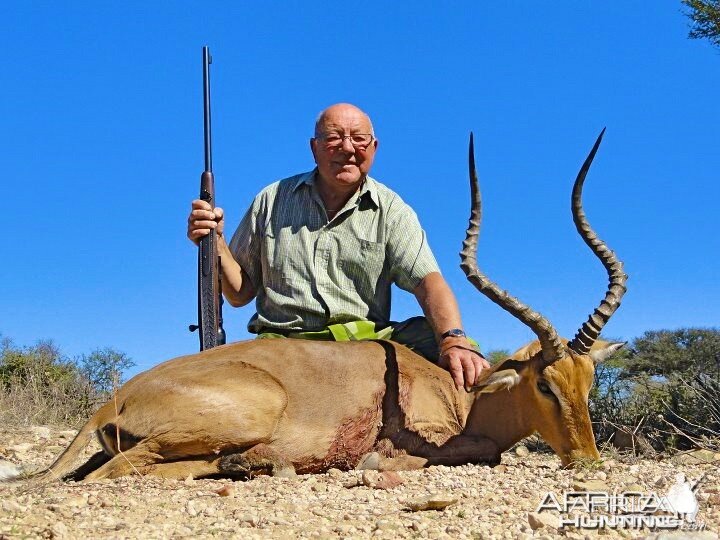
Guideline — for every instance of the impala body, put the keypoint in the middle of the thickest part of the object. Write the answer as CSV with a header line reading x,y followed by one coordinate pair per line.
x,y
286,406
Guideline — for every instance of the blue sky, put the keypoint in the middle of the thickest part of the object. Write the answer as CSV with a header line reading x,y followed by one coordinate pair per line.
x,y
102,147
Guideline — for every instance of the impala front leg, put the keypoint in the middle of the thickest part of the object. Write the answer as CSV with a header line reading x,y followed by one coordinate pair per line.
x,y
458,450
462,449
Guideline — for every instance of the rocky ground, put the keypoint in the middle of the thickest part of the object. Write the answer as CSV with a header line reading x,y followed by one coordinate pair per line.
x,y
438,502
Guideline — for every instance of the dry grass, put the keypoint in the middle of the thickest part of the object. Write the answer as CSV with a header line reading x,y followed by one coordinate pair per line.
x,y
35,401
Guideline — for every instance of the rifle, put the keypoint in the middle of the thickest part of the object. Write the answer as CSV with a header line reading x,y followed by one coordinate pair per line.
x,y
209,270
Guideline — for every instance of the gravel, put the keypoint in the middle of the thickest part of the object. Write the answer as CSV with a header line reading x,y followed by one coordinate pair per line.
x,y
471,501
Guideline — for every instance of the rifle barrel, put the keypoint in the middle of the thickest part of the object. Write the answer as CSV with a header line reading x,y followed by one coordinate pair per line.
x,y
207,60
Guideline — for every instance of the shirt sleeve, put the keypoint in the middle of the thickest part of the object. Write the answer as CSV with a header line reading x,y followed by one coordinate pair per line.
x,y
407,248
246,242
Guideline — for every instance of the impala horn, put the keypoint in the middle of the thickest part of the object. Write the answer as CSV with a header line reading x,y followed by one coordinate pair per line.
x,y
552,346
590,330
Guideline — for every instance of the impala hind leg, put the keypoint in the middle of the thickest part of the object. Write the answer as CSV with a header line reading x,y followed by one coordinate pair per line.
x,y
96,460
260,459
127,462
179,470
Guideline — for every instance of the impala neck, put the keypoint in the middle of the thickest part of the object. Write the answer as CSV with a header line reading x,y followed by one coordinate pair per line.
x,y
498,416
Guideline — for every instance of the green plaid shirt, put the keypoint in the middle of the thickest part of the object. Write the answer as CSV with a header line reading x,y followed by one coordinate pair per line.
x,y
310,273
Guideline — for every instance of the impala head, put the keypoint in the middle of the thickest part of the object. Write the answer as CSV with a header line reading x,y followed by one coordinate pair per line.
x,y
552,377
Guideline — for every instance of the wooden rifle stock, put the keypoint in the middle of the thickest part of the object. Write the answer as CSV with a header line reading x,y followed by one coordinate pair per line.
x,y
209,269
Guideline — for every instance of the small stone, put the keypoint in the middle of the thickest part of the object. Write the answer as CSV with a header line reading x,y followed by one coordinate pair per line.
x,y
191,509
189,480
8,470
334,473
250,519
384,525
436,501
369,461
12,506
634,487
522,451
370,477
388,480
226,491
286,472
41,432
590,485
59,530
660,482
543,519
418,526
21,448
351,482
76,502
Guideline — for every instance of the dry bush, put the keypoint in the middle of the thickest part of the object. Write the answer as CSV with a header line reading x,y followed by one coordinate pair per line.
x,y
38,385
662,394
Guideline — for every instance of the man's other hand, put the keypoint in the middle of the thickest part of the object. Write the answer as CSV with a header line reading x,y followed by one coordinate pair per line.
x,y
464,365
203,219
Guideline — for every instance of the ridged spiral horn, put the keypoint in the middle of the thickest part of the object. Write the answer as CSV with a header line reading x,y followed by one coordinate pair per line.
x,y
552,347
590,330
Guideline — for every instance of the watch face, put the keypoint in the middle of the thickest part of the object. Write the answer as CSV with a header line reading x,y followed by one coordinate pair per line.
x,y
455,332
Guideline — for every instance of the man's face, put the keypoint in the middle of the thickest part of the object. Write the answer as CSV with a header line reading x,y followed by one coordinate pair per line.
x,y
344,165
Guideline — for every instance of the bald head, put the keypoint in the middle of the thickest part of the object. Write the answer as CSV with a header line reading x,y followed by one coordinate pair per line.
x,y
335,114
343,164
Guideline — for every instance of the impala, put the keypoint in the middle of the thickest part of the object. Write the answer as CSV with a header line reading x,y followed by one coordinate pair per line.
x,y
285,406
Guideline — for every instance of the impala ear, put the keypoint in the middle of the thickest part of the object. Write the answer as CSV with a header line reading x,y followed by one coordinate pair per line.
x,y
504,379
603,350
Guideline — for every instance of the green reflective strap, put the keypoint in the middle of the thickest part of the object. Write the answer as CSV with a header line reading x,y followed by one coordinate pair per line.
x,y
351,331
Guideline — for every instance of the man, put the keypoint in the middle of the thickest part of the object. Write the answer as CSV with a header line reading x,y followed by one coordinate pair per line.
x,y
320,250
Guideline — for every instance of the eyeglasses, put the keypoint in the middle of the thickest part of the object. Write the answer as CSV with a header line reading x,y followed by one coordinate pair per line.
x,y
358,140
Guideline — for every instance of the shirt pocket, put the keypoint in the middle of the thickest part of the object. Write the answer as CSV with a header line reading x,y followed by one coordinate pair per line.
x,y
361,264
288,261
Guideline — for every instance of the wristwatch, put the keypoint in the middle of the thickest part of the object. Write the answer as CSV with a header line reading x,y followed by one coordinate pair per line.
x,y
453,332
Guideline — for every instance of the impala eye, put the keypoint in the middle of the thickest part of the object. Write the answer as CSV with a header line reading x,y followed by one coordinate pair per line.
x,y
544,388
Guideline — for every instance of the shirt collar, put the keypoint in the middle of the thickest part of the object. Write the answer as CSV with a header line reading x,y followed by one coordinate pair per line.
x,y
369,188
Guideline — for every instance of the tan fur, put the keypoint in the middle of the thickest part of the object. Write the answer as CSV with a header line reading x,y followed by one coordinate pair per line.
x,y
317,405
